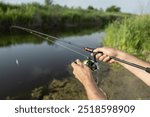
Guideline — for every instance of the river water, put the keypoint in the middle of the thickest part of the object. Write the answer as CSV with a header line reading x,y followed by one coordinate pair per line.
x,y
27,61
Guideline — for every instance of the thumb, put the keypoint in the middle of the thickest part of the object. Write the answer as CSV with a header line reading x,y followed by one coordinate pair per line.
x,y
73,64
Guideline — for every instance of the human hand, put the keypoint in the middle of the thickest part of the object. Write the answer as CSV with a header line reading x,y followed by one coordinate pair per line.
x,y
82,72
107,53
84,75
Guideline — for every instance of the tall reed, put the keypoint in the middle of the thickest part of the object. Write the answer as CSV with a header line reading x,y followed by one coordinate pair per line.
x,y
52,16
131,35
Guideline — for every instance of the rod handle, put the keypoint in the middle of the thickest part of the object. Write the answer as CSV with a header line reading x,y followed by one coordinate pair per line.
x,y
91,50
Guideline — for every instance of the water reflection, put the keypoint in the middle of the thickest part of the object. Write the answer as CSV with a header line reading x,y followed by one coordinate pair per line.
x,y
38,61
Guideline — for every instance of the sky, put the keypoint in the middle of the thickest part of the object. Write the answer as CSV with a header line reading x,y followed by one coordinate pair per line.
x,y
130,6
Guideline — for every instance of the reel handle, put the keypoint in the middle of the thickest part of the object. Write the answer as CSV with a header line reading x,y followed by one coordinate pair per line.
x,y
91,51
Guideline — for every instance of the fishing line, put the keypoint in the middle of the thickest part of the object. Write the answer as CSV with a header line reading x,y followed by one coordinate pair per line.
x,y
43,34
91,63
59,44
46,37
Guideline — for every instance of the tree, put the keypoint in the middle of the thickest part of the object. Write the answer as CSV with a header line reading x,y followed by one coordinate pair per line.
x,y
90,8
48,2
113,9
101,10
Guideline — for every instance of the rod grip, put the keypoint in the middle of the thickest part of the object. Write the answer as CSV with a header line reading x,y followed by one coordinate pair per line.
x,y
147,69
89,49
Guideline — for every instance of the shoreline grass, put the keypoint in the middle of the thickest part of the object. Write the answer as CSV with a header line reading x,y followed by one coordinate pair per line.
x,y
53,16
131,35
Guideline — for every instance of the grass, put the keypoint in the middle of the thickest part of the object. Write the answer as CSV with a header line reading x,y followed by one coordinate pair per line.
x,y
52,16
131,35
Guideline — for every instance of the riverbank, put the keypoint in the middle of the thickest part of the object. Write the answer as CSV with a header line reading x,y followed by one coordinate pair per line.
x,y
53,17
66,89
117,84
130,35
120,84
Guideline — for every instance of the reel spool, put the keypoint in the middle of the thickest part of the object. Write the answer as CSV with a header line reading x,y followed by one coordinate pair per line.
x,y
91,64
94,67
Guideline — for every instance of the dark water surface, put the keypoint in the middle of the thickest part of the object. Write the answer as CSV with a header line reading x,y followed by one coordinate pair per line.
x,y
27,62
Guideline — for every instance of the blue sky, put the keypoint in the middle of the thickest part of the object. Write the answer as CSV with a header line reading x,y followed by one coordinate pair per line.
x,y
131,6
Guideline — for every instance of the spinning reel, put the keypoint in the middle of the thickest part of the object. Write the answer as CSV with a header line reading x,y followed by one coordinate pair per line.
x,y
91,63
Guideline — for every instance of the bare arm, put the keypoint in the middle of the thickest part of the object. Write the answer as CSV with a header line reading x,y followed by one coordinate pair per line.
x,y
141,74
84,75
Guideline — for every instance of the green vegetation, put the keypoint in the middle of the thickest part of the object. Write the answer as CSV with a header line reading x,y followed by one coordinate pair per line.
x,y
113,9
51,16
48,2
131,35
15,39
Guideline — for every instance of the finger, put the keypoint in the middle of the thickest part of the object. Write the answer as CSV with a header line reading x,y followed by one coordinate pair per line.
x,y
101,58
98,55
74,72
73,64
111,61
106,59
79,62
98,49
76,76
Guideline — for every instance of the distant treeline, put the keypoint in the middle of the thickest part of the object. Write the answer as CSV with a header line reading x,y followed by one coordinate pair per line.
x,y
52,16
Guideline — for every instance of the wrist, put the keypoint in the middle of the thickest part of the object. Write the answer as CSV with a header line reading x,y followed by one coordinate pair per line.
x,y
90,85
89,81
121,54
94,92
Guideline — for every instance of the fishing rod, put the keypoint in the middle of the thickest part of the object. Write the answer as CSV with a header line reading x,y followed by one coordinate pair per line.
x,y
147,69
91,63
46,35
